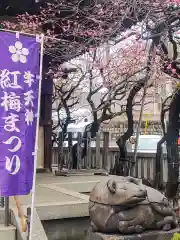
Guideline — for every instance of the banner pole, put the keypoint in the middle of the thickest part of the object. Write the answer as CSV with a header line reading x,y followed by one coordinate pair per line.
x,y
36,141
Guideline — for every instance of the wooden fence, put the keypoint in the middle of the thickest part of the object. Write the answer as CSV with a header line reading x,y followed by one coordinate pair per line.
x,y
145,166
102,156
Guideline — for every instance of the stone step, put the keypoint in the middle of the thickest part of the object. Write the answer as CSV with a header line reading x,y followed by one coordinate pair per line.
x,y
7,233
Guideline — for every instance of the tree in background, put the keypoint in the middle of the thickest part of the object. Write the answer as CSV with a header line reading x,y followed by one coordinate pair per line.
x,y
109,72
79,25
73,27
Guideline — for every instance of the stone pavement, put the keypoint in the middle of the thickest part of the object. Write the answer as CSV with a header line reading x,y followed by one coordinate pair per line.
x,y
59,197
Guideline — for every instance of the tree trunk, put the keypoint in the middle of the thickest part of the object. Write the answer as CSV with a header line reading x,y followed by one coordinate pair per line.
x,y
172,146
157,181
121,167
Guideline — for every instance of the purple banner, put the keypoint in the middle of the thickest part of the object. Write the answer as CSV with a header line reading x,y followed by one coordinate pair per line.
x,y
19,83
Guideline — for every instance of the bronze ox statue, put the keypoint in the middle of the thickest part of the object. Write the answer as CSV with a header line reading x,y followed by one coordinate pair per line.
x,y
124,205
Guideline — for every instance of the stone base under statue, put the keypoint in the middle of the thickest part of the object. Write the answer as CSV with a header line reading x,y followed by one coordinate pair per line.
x,y
151,235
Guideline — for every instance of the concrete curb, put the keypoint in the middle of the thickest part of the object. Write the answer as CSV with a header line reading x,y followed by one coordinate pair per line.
x,y
63,210
38,230
7,233
71,209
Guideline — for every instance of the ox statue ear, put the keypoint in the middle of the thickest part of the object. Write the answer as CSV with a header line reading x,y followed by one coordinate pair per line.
x,y
111,185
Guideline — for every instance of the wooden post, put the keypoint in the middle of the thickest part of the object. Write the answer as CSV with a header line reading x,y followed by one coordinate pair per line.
x,y
79,150
162,166
6,219
28,221
2,202
46,120
142,167
88,157
60,151
98,151
105,150
47,146
69,150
